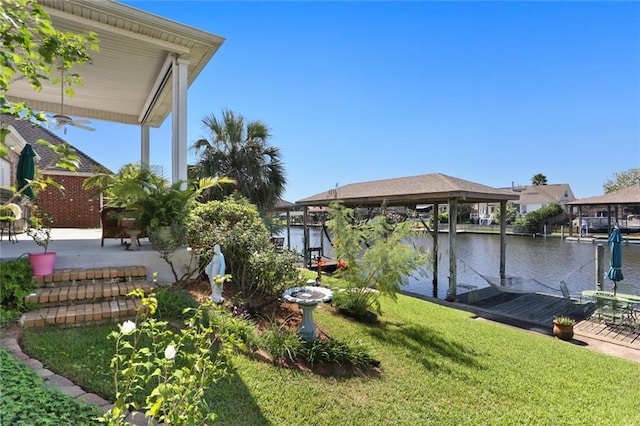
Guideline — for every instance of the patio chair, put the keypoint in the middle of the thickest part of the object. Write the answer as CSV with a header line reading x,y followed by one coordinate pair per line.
x,y
114,226
574,306
7,223
628,309
111,228
278,242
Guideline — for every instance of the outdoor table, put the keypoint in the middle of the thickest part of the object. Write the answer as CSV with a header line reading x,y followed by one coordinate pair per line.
x,y
633,301
614,306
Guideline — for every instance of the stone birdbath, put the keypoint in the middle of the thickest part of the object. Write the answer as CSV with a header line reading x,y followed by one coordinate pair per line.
x,y
307,298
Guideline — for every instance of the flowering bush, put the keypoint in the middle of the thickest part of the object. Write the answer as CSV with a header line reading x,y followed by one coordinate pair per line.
x,y
173,368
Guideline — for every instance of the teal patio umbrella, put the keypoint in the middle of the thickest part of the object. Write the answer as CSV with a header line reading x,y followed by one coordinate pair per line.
x,y
26,170
615,258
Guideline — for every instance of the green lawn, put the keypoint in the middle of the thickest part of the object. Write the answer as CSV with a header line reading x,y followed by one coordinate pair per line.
x,y
440,366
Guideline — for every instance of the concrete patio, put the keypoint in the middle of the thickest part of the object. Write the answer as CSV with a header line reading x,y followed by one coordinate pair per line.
x,y
80,248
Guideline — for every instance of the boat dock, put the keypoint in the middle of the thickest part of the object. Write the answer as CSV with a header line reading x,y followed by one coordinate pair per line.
x,y
535,312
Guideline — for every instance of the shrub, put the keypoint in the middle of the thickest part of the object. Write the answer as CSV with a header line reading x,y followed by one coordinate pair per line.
x,y
273,272
15,284
231,327
175,368
333,351
284,344
362,304
245,241
533,221
280,342
173,302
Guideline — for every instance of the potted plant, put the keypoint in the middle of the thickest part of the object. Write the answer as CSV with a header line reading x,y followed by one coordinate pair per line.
x,y
39,229
154,205
563,327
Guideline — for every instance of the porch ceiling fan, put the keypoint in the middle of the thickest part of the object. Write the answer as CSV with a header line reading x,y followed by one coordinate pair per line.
x,y
62,120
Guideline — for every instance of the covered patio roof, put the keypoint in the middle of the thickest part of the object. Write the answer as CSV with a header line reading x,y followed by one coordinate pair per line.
x,y
129,80
422,189
141,74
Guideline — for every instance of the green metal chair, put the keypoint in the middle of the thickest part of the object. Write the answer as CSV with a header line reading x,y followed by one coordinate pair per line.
x,y
630,315
574,306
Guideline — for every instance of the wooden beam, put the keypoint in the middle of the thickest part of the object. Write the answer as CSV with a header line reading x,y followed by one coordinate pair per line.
x,y
453,270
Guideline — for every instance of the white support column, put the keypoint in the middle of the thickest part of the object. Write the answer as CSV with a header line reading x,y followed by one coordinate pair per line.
x,y
179,129
144,145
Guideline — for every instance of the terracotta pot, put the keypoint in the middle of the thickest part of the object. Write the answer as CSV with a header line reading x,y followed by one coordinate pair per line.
x,y
562,332
42,263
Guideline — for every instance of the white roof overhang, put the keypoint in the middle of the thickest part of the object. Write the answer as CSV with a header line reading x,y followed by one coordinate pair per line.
x,y
129,79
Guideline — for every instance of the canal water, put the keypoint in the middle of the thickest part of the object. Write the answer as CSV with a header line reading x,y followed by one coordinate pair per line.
x,y
533,264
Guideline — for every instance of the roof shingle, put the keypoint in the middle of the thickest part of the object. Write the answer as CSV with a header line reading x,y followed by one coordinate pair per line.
x,y
428,188
32,132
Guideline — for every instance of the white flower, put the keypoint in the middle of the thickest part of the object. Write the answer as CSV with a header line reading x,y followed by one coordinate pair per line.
x,y
128,327
170,352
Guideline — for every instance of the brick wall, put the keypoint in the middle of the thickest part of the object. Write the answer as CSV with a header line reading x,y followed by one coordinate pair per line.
x,y
73,208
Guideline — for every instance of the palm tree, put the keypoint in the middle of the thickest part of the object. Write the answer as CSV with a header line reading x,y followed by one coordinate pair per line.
x,y
538,179
240,152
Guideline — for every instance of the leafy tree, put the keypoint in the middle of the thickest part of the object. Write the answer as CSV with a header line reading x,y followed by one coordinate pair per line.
x,y
376,255
32,49
464,212
512,214
622,180
533,221
125,187
238,149
538,179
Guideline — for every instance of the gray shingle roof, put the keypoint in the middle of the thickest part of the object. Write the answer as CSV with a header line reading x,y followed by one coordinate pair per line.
x,y
31,133
428,188
628,195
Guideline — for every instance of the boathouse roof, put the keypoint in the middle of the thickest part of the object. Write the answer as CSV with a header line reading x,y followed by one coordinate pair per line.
x,y
628,195
421,189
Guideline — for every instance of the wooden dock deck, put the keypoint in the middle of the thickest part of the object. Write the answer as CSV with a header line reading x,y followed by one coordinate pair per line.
x,y
536,311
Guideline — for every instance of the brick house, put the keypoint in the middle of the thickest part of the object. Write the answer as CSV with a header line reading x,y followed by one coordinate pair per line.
x,y
73,208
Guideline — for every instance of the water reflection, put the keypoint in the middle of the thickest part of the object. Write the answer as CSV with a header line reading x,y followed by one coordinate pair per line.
x,y
539,262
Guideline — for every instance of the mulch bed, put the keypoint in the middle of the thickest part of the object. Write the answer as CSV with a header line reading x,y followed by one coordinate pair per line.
x,y
289,315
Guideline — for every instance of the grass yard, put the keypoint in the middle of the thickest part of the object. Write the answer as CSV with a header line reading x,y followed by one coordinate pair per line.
x,y
440,366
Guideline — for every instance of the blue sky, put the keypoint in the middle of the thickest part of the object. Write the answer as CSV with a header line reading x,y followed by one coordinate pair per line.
x,y
491,92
